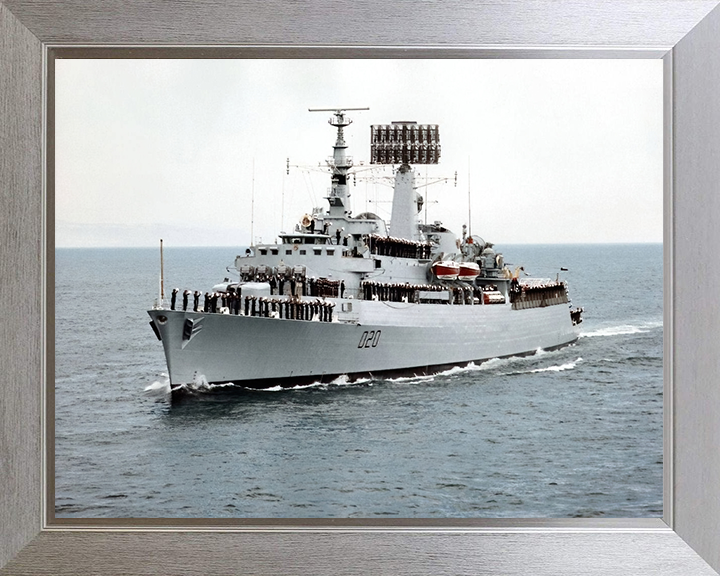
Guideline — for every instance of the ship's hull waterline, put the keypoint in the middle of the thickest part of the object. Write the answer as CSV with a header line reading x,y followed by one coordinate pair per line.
x,y
384,339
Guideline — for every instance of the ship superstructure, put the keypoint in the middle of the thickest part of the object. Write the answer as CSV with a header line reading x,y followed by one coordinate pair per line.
x,y
350,295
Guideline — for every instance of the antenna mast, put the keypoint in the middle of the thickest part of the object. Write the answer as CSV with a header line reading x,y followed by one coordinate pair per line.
x,y
469,202
340,164
252,204
162,275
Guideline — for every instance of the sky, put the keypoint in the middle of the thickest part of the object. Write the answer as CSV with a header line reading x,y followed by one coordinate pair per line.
x,y
195,151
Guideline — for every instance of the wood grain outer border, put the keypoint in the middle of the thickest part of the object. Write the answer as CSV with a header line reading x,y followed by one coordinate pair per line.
x,y
689,28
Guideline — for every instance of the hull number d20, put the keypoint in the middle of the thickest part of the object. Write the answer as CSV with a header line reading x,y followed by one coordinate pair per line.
x,y
369,339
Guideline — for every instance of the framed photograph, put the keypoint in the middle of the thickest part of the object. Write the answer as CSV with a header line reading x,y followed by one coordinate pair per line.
x,y
37,539
530,174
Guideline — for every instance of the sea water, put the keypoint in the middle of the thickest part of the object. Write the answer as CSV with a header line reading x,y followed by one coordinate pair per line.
x,y
575,432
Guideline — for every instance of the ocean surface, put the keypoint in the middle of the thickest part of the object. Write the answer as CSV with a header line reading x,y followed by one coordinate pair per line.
x,y
575,432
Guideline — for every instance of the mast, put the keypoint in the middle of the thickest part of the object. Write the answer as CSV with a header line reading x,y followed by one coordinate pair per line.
x,y
162,275
252,205
340,163
469,202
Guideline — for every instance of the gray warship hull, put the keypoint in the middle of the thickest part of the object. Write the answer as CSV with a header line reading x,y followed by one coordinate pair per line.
x,y
383,339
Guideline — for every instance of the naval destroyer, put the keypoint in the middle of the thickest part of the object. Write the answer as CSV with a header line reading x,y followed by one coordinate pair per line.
x,y
352,296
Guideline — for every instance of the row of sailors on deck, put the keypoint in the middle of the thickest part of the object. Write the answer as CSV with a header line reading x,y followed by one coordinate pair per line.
x,y
232,303
322,287
457,293
281,279
228,300
291,309
393,292
544,286
390,292
398,247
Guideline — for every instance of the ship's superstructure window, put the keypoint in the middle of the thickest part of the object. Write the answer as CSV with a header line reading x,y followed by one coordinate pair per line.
x,y
317,251
303,252
274,251
288,252
330,252
263,252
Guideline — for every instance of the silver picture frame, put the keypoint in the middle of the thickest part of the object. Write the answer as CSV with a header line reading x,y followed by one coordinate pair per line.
x,y
684,33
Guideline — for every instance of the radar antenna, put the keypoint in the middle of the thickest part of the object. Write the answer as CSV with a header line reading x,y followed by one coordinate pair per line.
x,y
339,119
404,143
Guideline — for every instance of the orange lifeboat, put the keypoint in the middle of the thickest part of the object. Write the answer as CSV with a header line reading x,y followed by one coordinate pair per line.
x,y
468,271
446,270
